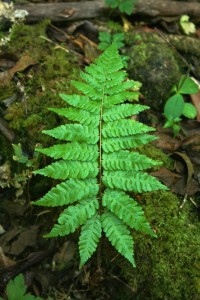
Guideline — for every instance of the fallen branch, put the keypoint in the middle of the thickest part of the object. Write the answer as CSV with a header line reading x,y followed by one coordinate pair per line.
x,y
91,9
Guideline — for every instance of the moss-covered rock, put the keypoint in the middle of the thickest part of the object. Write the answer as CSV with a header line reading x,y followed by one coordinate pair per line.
x,y
153,63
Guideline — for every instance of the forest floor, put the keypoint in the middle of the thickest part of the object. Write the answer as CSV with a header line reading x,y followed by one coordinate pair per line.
x,y
37,61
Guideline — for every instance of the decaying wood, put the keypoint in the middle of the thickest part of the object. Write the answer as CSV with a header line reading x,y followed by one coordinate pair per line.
x,y
91,9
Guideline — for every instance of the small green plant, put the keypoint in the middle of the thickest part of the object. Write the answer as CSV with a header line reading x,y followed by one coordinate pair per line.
x,y
175,107
186,26
95,161
125,6
107,38
16,290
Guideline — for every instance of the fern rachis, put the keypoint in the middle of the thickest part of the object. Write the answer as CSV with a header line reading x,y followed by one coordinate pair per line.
x,y
96,161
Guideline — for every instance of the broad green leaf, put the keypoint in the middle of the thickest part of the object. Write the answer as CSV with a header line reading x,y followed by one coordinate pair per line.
x,y
16,290
189,111
174,107
187,86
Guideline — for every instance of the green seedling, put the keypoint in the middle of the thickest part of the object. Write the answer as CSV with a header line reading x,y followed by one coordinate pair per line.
x,y
16,290
107,38
176,107
125,6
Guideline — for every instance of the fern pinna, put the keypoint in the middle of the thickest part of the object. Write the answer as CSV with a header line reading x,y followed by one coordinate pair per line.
x,y
96,163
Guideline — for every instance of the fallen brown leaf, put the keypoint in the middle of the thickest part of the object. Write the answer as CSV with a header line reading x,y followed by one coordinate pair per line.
x,y
24,62
196,101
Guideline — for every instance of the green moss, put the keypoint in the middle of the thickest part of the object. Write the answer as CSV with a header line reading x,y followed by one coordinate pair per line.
x,y
25,38
55,67
8,93
6,150
157,154
167,267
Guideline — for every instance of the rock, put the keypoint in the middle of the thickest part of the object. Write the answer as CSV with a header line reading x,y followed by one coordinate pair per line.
x,y
153,63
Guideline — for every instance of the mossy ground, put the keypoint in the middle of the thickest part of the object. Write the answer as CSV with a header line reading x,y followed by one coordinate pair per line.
x,y
167,267
37,88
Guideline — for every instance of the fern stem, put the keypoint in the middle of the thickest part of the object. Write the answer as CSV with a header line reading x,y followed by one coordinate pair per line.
x,y
100,150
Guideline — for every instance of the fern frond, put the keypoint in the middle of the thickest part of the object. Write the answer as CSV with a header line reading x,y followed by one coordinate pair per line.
x,y
137,182
126,160
122,111
89,238
96,161
75,133
130,142
119,235
64,169
127,210
73,217
72,151
69,191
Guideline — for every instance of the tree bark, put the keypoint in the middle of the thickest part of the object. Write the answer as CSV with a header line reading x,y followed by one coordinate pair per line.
x,y
92,9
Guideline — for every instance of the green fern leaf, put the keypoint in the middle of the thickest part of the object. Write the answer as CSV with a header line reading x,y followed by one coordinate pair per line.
x,y
86,89
75,133
122,111
125,160
116,144
121,128
74,216
72,151
120,98
137,182
89,238
96,161
69,191
127,210
63,169
81,102
119,235
80,115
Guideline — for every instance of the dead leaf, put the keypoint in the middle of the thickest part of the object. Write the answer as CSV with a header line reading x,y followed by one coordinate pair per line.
x,y
89,48
64,255
18,239
24,62
192,140
166,142
187,185
196,101
4,260
168,177
27,238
